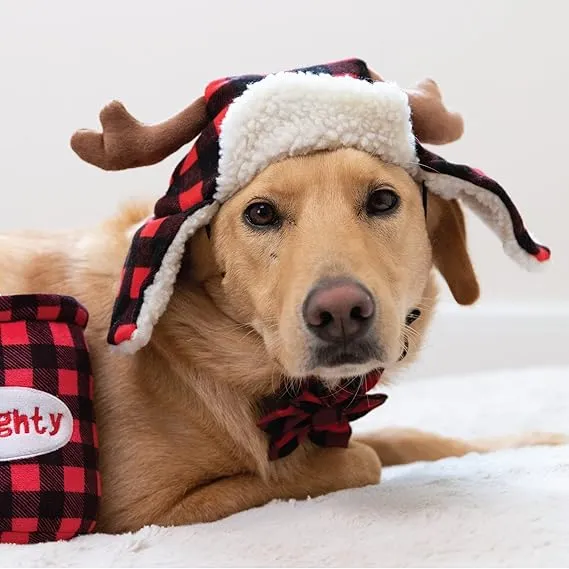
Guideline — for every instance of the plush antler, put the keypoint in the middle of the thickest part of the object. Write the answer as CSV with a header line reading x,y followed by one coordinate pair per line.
x,y
127,143
433,123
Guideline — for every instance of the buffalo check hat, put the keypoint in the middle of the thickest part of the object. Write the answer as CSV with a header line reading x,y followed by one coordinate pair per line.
x,y
246,123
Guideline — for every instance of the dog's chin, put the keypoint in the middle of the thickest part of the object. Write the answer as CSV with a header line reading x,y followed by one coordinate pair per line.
x,y
333,376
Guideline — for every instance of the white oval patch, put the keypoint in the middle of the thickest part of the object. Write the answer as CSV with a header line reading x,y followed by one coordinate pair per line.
x,y
32,423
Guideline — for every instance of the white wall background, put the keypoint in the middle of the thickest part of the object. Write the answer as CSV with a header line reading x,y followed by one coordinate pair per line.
x,y
502,63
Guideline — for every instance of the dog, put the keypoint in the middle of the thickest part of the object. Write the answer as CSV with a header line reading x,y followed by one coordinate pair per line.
x,y
309,271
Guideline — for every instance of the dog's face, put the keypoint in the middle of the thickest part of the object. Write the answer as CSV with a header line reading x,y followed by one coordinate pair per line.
x,y
325,256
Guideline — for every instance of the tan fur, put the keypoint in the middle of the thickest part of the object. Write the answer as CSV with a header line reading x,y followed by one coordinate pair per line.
x,y
177,420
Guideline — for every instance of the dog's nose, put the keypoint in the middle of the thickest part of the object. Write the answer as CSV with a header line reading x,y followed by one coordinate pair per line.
x,y
339,311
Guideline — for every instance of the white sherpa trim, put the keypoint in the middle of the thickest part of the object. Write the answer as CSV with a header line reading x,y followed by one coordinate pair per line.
x,y
290,114
489,208
157,295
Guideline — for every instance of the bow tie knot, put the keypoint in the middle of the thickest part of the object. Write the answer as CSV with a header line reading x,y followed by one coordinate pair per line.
x,y
319,415
327,416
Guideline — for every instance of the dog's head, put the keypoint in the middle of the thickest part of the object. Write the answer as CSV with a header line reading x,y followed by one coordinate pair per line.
x,y
313,181
326,256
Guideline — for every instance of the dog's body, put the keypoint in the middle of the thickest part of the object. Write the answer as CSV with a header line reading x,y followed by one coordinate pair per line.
x,y
177,420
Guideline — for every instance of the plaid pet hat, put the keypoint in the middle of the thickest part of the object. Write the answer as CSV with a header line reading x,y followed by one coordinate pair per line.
x,y
246,123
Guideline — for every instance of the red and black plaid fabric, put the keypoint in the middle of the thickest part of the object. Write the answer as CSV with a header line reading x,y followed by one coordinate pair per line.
x,y
192,186
318,414
430,162
42,348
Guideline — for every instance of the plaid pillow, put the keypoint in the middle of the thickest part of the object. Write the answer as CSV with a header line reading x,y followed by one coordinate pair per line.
x,y
49,483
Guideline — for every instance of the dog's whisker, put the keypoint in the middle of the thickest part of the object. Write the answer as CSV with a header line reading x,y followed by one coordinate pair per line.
x,y
422,165
413,333
342,386
274,388
360,379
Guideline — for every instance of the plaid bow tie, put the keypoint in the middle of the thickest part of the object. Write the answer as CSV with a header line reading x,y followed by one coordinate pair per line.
x,y
321,416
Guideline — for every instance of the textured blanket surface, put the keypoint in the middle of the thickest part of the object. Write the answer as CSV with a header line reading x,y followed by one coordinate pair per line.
x,y
505,509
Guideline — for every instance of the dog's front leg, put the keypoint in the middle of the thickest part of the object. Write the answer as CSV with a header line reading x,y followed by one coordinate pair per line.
x,y
315,472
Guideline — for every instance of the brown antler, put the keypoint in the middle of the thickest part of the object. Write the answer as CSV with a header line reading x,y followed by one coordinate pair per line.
x,y
433,123
127,143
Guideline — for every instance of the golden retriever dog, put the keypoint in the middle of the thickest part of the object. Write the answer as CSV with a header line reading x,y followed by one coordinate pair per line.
x,y
310,270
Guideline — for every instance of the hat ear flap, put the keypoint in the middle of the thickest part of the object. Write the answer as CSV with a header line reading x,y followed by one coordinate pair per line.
x,y
487,199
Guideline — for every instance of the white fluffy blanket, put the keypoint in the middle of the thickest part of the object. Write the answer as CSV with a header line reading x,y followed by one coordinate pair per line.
x,y
506,509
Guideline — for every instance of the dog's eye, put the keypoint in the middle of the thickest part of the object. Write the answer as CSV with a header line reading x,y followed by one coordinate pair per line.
x,y
261,214
381,201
